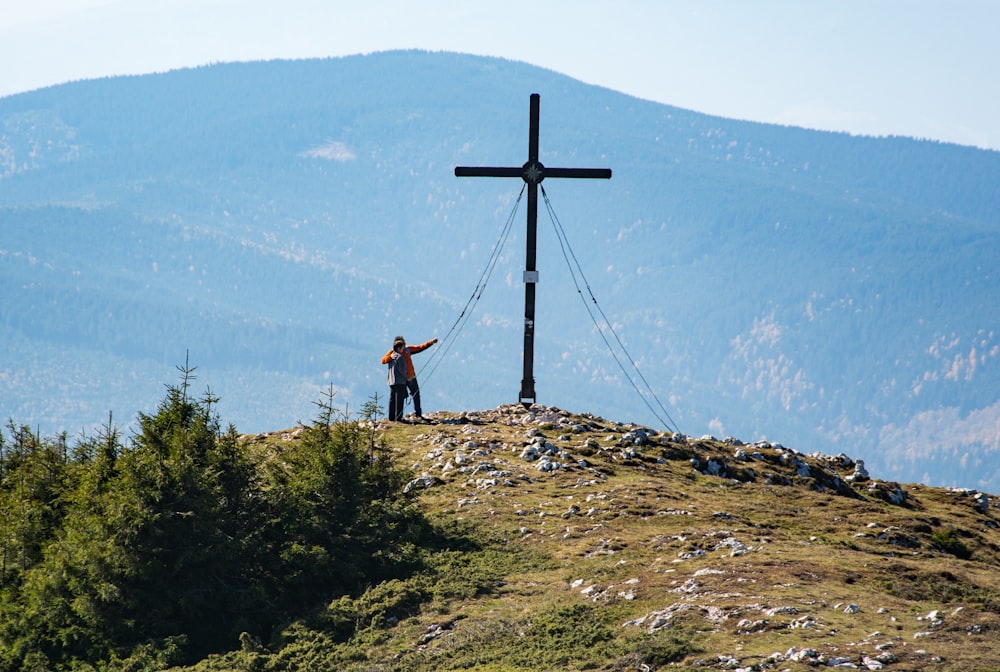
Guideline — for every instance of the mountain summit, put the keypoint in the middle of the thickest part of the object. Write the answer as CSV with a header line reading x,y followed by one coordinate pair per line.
x,y
502,540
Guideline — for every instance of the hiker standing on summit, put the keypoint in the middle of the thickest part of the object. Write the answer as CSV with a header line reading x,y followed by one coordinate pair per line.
x,y
411,375
396,378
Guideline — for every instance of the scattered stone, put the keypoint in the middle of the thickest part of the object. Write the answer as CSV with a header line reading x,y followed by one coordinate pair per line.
x,y
872,663
799,655
935,617
487,466
483,466
737,548
845,461
637,437
983,502
860,473
746,626
728,662
434,631
545,464
422,482
888,492
688,587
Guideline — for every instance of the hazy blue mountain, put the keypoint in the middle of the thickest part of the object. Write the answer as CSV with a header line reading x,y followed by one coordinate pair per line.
x,y
284,220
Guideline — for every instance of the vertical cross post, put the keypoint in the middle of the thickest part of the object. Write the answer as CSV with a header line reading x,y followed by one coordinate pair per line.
x,y
532,172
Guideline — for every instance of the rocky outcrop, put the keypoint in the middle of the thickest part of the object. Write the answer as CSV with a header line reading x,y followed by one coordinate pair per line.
x,y
554,440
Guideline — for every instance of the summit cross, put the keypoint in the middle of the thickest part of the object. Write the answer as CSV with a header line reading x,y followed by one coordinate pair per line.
x,y
532,172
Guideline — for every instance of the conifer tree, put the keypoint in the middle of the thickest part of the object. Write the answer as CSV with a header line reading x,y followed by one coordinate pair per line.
x,y
155,553
339,513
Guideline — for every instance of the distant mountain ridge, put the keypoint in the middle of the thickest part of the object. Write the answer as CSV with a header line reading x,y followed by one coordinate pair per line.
x,y
283,220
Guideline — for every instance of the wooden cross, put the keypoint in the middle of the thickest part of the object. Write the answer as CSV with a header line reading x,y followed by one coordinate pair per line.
x,y
532,172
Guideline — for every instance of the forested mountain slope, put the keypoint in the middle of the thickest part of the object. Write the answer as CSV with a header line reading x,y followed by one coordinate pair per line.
x,y
283,220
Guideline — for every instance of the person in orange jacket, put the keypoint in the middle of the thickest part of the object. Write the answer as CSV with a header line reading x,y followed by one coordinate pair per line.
x,y
396,377
411,379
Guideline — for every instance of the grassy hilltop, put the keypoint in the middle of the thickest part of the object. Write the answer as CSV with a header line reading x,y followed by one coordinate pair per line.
x,y
592,545
508,540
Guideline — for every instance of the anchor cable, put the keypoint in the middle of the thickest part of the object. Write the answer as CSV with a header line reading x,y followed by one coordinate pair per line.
x,y
564,246
449,339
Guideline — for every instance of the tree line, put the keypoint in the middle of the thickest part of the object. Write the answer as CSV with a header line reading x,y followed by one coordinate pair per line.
x,y
182,540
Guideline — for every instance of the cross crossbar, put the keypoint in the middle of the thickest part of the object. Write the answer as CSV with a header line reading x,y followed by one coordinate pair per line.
x,y
532,172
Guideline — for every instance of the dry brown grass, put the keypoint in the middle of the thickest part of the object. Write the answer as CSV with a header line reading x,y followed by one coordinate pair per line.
x,y
757,561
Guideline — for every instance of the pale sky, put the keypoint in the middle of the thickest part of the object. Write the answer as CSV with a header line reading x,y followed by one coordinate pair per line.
x,y
919,68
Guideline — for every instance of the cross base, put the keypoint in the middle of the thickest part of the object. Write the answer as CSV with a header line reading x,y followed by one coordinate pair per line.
x,y
527,396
